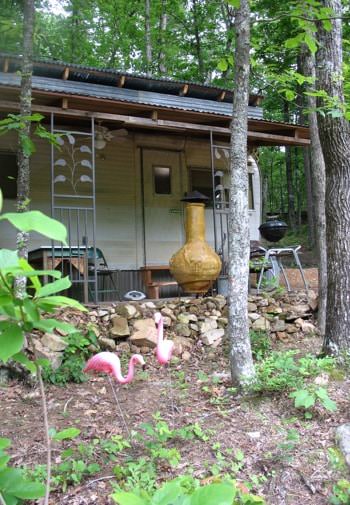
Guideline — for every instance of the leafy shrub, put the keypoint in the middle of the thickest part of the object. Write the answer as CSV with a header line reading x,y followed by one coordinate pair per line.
x,y
74,357
261,344
341,493
186,491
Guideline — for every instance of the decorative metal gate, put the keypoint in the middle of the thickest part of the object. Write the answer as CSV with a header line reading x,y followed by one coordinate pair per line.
x,y
220,155
73,203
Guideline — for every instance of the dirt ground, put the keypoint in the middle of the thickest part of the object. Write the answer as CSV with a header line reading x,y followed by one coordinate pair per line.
x,y
258,426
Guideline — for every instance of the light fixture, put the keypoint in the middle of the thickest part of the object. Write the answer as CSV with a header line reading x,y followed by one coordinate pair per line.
x,y
100,142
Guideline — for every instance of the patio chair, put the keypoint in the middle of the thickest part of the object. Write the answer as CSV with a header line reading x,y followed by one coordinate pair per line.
x,y
104,274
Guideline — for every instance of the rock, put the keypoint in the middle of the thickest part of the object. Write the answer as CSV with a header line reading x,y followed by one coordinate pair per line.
x,y
207,324
166,321
120,327
145,337
254,435
342,436
55,358
102,313
263,302
53,342
183,318
306,326
186,356
169,313
253,316
281,335
142,324
149,305
223,321
181,344
312,300
183,330
123,347
221,301
107,344
194,327
61,332
261,324
127,310
291,328
211,336
252,307
273,309
278,325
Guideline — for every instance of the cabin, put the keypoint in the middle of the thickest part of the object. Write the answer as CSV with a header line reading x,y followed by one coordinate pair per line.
x,y
130,146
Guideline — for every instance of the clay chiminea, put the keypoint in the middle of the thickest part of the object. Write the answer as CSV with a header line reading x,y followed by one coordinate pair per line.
x,y
195,266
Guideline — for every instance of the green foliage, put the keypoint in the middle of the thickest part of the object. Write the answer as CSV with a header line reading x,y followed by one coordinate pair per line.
x,y
340,493
307,398
14,487
73,360
181,491
261,344
35,220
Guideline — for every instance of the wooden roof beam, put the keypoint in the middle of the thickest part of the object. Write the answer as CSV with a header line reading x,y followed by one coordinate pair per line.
x,y
121,81
221,97
5,67
255,137
65,74
184,90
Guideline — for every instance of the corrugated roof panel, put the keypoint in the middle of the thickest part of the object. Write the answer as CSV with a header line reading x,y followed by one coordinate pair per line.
x,y
129,95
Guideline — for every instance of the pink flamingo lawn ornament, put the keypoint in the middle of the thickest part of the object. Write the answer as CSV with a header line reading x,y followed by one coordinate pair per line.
x,y
109,363
164,350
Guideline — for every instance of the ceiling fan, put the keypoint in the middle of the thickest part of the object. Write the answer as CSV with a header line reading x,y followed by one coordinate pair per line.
x,y
104,135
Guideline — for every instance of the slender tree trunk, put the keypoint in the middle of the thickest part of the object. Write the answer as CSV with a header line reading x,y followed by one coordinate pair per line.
x,y
148,39
289,175
334,135
242,367
162,29
309,198
318,183
23,177
198,45
264,193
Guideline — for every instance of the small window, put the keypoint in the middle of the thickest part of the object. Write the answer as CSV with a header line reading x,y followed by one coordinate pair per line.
x,y
162,180
8,175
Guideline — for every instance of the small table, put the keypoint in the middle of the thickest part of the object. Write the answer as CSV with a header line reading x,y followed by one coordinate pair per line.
x,y
153,285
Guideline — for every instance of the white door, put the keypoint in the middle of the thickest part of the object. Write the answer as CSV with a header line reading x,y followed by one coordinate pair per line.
x,y
162,193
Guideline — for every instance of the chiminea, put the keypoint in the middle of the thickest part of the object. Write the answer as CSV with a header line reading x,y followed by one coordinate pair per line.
x,y
273,230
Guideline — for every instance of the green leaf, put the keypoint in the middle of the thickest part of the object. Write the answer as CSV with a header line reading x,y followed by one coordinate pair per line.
x,y
234,3
293,42
35,220
129,499
31,310
311,43
11,341
58,301
66,434
13,483
214,494
167,493
8,259
54,287
22,358
50,324
303,398
290,95
223,65
328,404
4,443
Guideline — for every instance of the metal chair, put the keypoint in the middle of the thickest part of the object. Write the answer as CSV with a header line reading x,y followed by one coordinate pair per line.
x,y
274,257
99,266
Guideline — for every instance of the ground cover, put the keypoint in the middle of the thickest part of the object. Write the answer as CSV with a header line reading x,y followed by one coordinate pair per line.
x,y
196,426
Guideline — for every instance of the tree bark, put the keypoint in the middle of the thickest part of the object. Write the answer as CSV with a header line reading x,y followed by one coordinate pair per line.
x,y
198,45
23,177
242,367
309,197
334,135
162,29
289,176
318,184
148,38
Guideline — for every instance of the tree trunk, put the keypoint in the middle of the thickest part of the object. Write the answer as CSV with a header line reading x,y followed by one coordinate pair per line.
x,y
23,177
289,175
198,41
334,135
318,184
162,29
148,39
242,367
309,198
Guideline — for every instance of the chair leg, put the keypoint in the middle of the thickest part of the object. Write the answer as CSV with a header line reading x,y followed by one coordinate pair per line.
x,y
297,261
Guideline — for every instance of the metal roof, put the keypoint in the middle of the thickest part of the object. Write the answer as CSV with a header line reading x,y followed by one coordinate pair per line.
x,y
163,100
106,76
